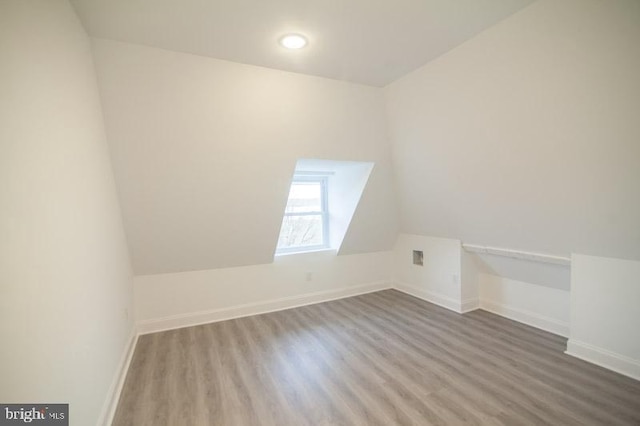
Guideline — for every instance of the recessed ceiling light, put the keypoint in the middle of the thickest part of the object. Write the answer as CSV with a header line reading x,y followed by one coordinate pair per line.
x,y
293,41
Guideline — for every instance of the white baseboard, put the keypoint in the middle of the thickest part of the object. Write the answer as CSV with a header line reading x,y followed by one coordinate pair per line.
x,y
530,318
526,317
432,297
113,395
469,305
238,311
619,363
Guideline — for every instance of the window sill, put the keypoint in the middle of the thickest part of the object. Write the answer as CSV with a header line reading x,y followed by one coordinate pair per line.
x,y
320,250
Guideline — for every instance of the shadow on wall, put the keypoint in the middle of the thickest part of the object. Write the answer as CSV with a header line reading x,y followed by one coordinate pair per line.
x,y
544,274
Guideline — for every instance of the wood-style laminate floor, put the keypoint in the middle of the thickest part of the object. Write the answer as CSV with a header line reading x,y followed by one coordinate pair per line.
x,y
383,358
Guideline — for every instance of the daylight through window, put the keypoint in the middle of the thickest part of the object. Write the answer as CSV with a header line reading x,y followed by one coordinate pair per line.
x,y
305,225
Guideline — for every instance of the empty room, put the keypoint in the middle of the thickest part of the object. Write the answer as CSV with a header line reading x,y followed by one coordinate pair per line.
x,y
338,212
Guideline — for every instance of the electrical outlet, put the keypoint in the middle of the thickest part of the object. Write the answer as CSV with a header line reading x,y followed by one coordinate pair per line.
x,y
454,278
309,276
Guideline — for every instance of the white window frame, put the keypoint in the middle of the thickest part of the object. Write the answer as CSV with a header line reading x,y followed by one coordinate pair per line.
x,y
323,180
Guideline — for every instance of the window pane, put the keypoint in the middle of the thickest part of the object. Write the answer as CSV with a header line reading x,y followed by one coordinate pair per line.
x,y
305,197
300,231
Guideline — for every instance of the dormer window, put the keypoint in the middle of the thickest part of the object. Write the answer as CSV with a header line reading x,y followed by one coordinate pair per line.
x,y
323,197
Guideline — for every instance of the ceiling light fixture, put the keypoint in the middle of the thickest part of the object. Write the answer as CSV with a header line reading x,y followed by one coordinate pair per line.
x,y
293,41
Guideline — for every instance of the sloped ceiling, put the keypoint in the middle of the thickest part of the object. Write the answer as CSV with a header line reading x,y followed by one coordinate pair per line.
x,y
203,153
527,136
371,42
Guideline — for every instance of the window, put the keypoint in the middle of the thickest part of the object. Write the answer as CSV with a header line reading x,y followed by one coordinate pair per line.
x,y
323,197
305,225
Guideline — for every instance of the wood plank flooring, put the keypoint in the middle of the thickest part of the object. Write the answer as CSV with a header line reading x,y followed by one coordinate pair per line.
x,y
383,358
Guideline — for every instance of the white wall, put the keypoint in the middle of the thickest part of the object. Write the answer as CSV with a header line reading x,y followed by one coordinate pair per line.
x,y
540,306
526,136
541,301
65,283
469,281
346,186
180,299
535,272
462,281
605,312
438,279
204,151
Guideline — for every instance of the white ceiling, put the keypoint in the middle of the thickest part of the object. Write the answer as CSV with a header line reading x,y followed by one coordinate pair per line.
x,y
372,42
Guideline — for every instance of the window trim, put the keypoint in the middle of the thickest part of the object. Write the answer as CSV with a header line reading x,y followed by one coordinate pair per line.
x,y
323,180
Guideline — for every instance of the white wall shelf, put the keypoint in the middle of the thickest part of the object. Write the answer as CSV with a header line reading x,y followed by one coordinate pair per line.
x,y
518,254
